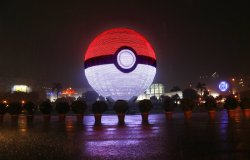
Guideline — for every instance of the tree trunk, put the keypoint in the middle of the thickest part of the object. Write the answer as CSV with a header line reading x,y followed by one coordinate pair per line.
x,y
187,115
121,117
212,114
144,118
98,119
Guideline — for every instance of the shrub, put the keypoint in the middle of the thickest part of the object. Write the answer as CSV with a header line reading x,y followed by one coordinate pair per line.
x,y
230,103
187,104
15,108
3,108
30,107
121,106
190,93
210,103
245,103
168,104
145,106
79,106
98,107
45,107
62,107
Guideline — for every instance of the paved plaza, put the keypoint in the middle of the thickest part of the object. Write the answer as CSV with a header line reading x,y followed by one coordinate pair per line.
x,y
177,139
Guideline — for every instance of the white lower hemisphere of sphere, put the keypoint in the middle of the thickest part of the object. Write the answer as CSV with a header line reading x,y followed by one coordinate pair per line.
x,y
108,81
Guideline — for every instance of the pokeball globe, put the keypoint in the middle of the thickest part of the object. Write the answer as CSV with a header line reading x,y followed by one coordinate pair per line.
x,y
120,63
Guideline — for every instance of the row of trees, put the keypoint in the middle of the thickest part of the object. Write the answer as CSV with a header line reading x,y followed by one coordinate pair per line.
x,y
89,96
62,107
187,105
79,107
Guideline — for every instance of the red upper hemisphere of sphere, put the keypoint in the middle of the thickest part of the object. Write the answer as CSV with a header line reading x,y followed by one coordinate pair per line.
x,y
108,42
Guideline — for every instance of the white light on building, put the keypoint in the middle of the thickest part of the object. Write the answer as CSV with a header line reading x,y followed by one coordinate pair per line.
x,y
156,90
21,88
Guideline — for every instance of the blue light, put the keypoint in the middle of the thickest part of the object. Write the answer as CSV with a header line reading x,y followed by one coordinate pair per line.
x,y
223,86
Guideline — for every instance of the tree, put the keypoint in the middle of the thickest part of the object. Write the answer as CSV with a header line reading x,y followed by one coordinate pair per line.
x,y
98,107
79,106
57,87
219,98
190,93
121,106
161,98
46,107
210,103
154,99
205,94
169,104
201,86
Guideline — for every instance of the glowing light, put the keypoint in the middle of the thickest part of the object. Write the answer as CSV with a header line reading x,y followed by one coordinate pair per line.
x,y
69,92
21,88
22,101
214,94
120,63
5,102
223,86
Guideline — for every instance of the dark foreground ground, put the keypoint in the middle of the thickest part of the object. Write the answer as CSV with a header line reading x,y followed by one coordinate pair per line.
x,y
175,139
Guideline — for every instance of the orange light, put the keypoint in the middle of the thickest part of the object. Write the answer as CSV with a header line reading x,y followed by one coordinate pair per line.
x,y
5,102
23,102
69,92
233,79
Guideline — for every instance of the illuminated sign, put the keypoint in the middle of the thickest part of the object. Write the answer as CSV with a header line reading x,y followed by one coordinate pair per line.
x,y
120,63
223,86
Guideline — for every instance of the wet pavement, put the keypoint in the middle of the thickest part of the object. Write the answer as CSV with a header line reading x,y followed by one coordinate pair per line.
x,y
177,139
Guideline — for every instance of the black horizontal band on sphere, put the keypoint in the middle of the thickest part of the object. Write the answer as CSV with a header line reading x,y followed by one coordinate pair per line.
x,y
111,59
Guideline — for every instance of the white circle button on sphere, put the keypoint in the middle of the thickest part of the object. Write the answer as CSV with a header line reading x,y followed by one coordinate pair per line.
x,y
126,59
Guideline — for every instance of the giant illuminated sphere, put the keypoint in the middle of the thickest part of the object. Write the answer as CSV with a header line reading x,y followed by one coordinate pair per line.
x,y
120,63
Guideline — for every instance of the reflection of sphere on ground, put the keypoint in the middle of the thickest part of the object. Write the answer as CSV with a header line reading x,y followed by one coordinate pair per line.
x,y
120,63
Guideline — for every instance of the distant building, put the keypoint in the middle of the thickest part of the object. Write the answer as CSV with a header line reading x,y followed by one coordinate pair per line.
x,y
7,84
170,94
21,88
69,92
156,89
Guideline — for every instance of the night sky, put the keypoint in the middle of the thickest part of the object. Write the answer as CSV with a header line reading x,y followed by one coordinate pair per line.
x,y
46,41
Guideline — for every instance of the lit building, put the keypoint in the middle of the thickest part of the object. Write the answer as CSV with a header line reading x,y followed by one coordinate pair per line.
x,y
156,90
69,92
171,94
21,88
120,63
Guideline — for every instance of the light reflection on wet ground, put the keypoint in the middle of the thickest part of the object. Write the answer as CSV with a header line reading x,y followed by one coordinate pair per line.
x,y
198,138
